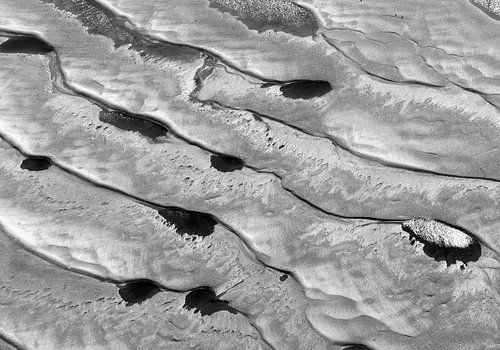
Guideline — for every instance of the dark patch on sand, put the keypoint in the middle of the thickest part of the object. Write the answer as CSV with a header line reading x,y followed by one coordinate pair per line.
x,y
305,89
449,254
25,44
357,347
189,222
126,122
486,10
225,164
161,50
257,117
268,85
283,277
138,291
36,164
204,301
100,20
277,15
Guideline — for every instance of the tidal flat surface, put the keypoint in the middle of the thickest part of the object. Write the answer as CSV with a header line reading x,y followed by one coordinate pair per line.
x,y
250,174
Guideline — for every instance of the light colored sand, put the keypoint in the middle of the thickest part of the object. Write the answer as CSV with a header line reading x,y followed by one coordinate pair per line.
x,y
354,280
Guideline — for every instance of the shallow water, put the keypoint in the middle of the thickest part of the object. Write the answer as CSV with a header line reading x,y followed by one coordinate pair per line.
x,y
204,301
25,44
36,164
189,222
305,89
137,292
225,164
147,128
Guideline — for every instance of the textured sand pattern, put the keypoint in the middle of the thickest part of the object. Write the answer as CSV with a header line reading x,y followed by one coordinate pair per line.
x,y
261,174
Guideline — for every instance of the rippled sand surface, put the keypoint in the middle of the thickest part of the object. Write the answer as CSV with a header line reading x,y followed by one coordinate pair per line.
x,y
250,174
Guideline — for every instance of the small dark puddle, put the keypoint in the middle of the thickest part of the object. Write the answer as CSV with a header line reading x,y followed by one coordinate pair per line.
x,y
36,164
283,277
451,255
189,222
123,121
204,301
357,347
226,164
25,44
305,89
137,292
257,117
